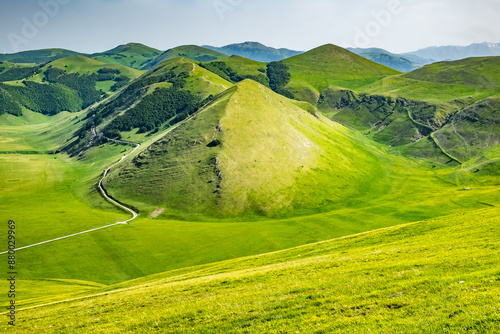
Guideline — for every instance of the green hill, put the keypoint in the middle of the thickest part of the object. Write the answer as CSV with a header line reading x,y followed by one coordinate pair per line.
x,y
403,109
161,97
134,55
297,161
481,73
472,132
193,52
443,82
37,56
68,84
330,65
425,277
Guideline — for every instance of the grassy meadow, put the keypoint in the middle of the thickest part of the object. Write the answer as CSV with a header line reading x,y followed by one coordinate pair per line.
x,y
257,213
439,275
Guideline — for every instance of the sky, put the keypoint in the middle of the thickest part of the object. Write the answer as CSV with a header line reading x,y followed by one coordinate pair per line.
x,y
97,25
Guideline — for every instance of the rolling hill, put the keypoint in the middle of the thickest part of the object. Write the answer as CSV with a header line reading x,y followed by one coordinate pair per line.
x,y
331,66
202,166
37,56
403,109
252,204
255,51
193,52
161,97
67,84
134,55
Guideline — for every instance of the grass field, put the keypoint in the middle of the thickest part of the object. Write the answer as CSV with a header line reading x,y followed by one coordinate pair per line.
x,y
434,276
66,202
259,215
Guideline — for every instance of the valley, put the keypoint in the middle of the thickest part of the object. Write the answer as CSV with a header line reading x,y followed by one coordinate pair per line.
x,y
281,193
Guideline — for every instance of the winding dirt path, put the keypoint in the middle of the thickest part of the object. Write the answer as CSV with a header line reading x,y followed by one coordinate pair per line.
x,y
109,199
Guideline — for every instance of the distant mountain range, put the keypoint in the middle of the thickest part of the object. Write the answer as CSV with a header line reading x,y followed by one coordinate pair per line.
x,y
255,51
140,56
388,59
440,53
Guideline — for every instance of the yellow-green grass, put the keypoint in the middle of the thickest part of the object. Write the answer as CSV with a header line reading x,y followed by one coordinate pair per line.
x,y
84,65
275,160
244,66
432,92
52,196
132,55
329,65
433,276
192,52
35,132
200,81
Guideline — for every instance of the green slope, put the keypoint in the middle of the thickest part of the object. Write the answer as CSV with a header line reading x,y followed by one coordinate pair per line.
x,y
68,84
193,52
472,78
403,109
37,56
330,65
426,277
84,65
161,97
245,66
296,161
134,55
473,131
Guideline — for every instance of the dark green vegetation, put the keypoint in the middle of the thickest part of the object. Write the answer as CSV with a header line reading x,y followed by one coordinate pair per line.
x,y
68,84
37,56
193,52
255,51
228,169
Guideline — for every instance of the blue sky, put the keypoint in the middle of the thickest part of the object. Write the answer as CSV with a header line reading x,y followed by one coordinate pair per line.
x,y
98,25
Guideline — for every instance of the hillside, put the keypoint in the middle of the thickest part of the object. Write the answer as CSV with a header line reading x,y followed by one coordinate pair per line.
x,y
67,84
161,97
479,73
203,165
255,51
329,65
426,103
421,277
134,55
37,56
192,52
